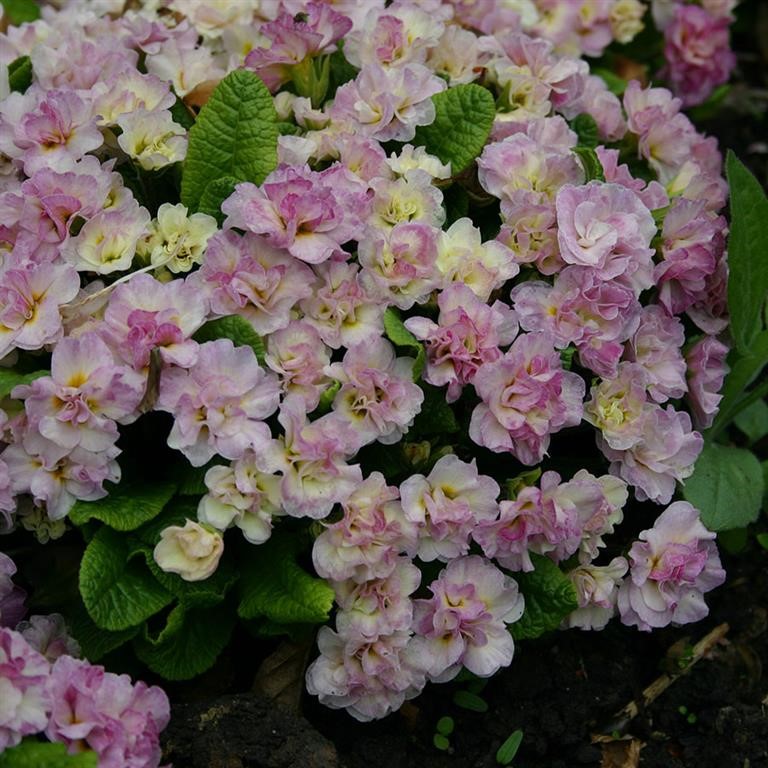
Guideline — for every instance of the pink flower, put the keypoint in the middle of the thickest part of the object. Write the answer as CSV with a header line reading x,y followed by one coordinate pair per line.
x,y
597,589
49,635
697,52
246,276
446,505
365,543
377,399
527,396
671,567
310,214
220,404
119,720
707,370
467,334
24,696
464,622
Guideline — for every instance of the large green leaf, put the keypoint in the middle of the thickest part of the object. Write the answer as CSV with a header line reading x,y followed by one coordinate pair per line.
x,y
20,74
747,253
94,641
586,129
127,506
726,487
235,135
41,754
235,328
275,586
189,643
117,589
20,11
10,379
549,597
400,336
463,120
215,194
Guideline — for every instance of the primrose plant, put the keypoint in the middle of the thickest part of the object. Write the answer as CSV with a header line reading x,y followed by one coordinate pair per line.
x,y
370,320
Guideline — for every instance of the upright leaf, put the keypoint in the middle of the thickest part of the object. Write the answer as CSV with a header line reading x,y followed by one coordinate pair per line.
x,y
726,487
275,586
235,328
593,168
235,135
587,130
20,74
463,120
549,597
118,590
127,507
400,336
94,641
215,194
747,253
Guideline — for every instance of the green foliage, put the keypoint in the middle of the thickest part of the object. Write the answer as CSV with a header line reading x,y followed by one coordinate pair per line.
x,y
191,480
190,642
235,135
400,336
463,120
470,701
753,420
445,725
593,168
747,254
616,85
41,754
274,585
214,195
10,379
181,114
508,750
117,589
441,742
20,11
127,507
549,597
586,129
96,642
436,416
237,329
20,74
726,486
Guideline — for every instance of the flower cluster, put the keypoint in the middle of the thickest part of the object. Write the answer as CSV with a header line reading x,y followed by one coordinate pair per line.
x,y
370,344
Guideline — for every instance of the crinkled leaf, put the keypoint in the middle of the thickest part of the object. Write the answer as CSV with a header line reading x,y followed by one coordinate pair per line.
x,y
190,642
234,135
41,754
117,589
10,379
288,129
236,328
94,641
436,416
275,586
753,420
726,487
549,597
127,507
593,168
214,195
177,512
463,120
20,11
747,253
400,336
20,74
586,129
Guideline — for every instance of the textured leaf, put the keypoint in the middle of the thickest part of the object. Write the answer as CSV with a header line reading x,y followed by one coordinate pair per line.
x,y
235,135
463,120
41,754
747,253
10,379
586,129
20,11
189,644
274,585
127,507
118,591
726,487
215,194
400,336
593,168
94,641
753,421
20,74
235,328
549,598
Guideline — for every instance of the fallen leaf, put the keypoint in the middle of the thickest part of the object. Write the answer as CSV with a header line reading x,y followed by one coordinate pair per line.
x,y
281,675
621,754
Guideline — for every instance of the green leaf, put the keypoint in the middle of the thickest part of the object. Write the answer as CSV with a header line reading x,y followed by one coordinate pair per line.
x,y
747,253
470,701
587,130
733,541
127,507
463,120
20,74
214,195
400,336
593,168
234,135
616,85
10,379
181,114
549,597
445,725
20,11
274,585
189,644
118,590
288,129
436,416
508,750
191,480
42,754
726,487
441,742
94,641
762,540
235,328
753,420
